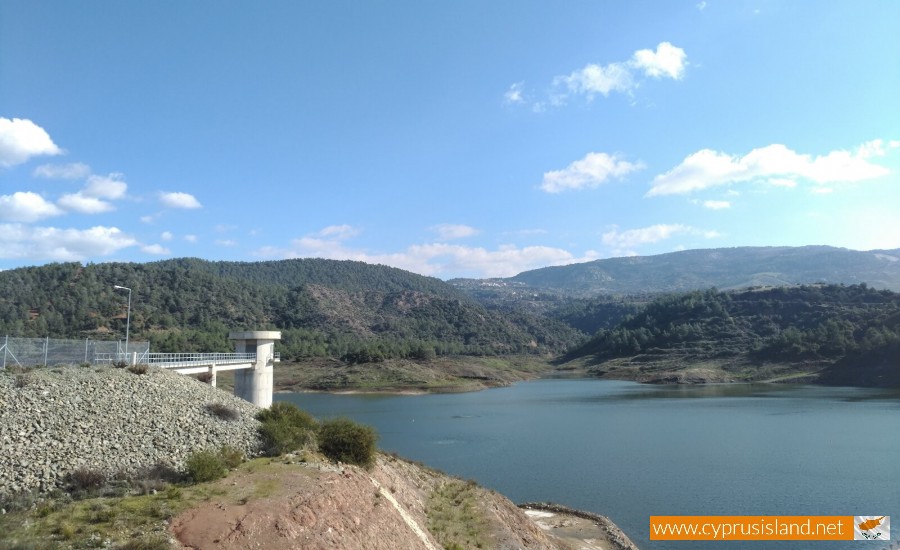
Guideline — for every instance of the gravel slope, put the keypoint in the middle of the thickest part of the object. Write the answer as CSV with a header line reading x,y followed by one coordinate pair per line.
x,y
53,421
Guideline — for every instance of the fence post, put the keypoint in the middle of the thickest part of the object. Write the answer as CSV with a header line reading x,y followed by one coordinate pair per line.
x,y
5,345
86,340
46,347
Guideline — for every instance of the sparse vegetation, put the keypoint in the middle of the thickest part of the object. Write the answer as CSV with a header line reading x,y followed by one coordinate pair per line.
x,y
231,457
137,522
205,465
454,517
285,428
205,377
344,440
223,411
23,379
85,480
153,541
140,368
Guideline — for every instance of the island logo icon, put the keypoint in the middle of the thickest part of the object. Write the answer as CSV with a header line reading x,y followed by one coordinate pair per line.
x,y
871,528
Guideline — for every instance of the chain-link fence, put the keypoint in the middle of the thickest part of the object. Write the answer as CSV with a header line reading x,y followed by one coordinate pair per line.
x,y
29,352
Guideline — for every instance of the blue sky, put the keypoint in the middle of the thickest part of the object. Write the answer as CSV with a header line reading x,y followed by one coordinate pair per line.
x,y
453,139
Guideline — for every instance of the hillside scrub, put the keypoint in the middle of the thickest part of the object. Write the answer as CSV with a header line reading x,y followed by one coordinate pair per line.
x,y
285,428
343,440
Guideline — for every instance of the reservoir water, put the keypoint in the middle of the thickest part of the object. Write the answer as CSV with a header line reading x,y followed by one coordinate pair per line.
x,y
630,451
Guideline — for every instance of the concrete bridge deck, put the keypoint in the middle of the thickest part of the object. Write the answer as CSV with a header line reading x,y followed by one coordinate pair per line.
x,y
199,361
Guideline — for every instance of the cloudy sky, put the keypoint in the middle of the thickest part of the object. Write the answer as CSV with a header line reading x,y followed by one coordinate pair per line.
x,y
463,138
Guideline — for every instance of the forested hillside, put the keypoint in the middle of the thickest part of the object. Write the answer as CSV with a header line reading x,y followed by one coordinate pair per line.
x,y
815,326
331,308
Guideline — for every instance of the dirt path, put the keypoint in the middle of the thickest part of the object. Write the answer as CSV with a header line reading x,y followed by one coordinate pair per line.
x,y
290,503
408,519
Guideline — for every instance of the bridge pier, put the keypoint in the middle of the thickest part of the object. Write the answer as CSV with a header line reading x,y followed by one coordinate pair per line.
x,y
255,384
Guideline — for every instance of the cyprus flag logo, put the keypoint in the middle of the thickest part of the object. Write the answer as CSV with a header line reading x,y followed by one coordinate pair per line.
x,y
871,528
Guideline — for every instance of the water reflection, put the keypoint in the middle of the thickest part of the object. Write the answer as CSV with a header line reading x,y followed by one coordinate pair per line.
x,y
634,391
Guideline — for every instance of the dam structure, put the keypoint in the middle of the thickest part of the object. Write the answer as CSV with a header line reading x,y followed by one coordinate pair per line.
x,y
253,361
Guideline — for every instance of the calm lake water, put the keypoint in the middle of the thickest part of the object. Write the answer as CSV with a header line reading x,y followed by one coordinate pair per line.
x,y
630,451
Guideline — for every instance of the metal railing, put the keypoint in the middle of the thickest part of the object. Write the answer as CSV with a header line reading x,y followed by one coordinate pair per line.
x,y
174,360
187,359
30,352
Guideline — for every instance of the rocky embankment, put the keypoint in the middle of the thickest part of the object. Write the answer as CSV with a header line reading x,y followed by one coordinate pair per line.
x,y
54,421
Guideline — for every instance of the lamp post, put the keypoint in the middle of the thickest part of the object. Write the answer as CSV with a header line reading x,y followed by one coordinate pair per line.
x,y
127,318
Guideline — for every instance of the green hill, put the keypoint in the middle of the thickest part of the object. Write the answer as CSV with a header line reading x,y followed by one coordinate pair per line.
x,y
325,308
828,331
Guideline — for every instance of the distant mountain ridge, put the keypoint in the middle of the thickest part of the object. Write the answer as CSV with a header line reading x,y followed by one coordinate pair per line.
x,y
723,268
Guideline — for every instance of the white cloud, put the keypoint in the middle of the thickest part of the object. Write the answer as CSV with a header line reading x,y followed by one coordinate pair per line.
x,y
73,171
716,205
190,238
90,200
105,187
701,5
179,200
631,238
21,139
596,79
226,242
339,231
26,206
775,164
77,202
514,94
591,171
435,259
19,241
781,182
666,61
155,249
149,218
166,236
449,231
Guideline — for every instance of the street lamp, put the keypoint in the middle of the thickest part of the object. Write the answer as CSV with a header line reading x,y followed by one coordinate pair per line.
x,y
127,318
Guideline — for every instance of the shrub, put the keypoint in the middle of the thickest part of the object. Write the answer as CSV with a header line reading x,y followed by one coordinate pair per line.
x,y
205,377
231,456
205,466
344,440
23,379
160,471
285,428
139,368
17,502
223,411
85,481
